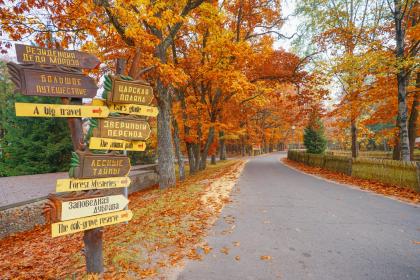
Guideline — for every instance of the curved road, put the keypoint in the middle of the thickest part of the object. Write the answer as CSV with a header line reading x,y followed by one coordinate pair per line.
x,y
311,229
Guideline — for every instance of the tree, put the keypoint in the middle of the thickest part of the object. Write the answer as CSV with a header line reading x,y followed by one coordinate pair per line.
x,y
405,15
34,145
313,138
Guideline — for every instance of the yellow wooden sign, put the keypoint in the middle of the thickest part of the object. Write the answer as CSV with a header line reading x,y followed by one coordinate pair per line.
x,y
134,109
77,225
81,208
71,185
60,111
97,143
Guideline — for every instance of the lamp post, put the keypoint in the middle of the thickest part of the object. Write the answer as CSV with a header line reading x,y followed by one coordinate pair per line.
x,y
293,135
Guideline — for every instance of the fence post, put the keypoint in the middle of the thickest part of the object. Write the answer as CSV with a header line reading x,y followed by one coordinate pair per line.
x,y
418,174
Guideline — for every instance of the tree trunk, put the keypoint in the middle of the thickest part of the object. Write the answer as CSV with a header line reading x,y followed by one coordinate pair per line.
x,y
402,117
191,158
165,149
402,79
396,151
222,145
205,152
213,159
196,153
354,146
181,168
412,122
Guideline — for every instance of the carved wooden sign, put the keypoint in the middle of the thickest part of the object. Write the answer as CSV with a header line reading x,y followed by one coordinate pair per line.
x,y
134,109
30,54
60,111
130,92
92,206
77,225
51,81
122,128
71,185
100,166
116,144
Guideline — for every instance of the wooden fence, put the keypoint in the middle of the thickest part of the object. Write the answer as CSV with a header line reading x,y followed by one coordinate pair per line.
x,y
393,172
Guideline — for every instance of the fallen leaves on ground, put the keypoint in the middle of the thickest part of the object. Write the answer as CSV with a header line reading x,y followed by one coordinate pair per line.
x,y
237,258
225,250
265,258
166,227
416,242
400,193
236,243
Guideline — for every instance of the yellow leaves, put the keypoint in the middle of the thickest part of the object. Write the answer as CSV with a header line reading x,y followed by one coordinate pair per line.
x,y
206,248
238,258
265,258
225,250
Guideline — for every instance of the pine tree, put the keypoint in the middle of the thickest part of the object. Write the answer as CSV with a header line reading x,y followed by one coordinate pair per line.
x,y
314,139
30,145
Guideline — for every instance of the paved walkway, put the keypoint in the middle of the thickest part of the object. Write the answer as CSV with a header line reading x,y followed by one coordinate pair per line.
x,y
311,229
19,189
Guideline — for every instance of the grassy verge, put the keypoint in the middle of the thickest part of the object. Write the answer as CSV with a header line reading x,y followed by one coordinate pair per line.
x,y
400,193
166,227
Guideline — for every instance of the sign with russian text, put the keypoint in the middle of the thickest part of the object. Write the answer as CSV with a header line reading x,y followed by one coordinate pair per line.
x,y
77,225
51,81
122,128
96,143
31,54
130,92
60,111
92,206
72,185
102,166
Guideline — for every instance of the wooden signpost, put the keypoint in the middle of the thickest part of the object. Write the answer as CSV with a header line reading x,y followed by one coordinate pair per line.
x,y
83,224
101,166
130,92
96,143
56,73
51,81
92,206
71,185
31,54
60,111
134,109
125,128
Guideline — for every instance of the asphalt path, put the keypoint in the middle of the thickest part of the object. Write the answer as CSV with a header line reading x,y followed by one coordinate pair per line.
x,y
308,228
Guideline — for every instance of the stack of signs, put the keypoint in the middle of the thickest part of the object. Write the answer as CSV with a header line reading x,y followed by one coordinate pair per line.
x,y
56,73
130,99
93,171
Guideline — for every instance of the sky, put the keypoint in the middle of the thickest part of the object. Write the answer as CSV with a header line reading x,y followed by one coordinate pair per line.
x,y
290,26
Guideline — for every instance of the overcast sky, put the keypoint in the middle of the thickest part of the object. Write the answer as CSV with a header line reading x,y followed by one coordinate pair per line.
x,y
290,26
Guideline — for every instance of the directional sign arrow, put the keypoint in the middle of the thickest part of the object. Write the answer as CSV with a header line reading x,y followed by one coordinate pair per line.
x,y
92,206
71,185
116,144
60,111
77,225
134,109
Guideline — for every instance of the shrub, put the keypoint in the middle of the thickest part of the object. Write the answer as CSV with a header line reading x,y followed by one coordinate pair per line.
x,y
314,139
